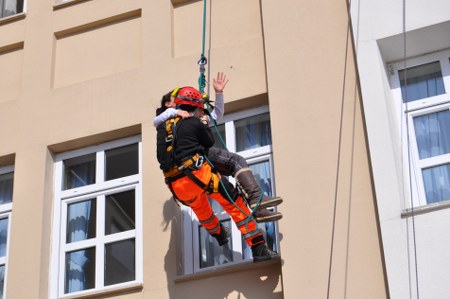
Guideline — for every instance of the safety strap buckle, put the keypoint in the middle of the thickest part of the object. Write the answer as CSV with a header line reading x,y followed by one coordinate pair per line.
x,y
199,162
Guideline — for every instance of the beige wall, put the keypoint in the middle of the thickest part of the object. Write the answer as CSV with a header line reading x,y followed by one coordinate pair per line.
x,y
317,121
94,71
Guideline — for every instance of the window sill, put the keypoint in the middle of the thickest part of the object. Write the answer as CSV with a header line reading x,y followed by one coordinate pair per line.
x,y
114,291
426,209
225,269
13,18
61,5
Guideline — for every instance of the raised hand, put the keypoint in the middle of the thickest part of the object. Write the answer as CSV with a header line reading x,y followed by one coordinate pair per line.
x,y
220,82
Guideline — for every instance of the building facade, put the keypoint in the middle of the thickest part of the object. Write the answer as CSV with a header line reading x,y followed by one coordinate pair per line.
x,y
403,63
84,211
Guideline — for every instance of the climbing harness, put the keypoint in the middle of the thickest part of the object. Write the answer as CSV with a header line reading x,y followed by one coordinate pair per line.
x,y
186,166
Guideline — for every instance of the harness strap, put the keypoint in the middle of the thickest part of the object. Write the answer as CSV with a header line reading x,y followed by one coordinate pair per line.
x,y
175,171
199,183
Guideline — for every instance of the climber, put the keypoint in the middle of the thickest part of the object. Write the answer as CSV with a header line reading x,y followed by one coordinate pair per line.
x,y
227,163
181,146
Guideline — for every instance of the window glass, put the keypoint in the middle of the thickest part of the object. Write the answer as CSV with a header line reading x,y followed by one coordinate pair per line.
x,y
3,236
79,171
122,162
80,270
261,171
120,212
81,221
10,7
253,132
2,280
211,254
437,183
433,134
120,262
6,187
421,81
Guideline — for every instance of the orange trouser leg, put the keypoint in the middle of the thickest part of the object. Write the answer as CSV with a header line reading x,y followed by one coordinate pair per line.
x,y
249,229
205,214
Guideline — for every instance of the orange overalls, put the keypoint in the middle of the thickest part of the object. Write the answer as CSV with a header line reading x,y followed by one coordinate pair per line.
x,y
189,192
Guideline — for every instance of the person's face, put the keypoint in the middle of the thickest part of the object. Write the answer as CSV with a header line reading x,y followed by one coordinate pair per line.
x,y
171,103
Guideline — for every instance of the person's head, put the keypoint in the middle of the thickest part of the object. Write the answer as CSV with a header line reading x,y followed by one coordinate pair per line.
x,y
190,100
167,101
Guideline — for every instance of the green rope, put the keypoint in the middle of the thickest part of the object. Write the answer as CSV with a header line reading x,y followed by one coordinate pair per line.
x,y
202,84
203,61
204,28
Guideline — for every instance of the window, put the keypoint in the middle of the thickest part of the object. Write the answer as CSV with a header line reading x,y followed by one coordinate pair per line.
x,y
10,7
426,120
6,198
248,134
98,204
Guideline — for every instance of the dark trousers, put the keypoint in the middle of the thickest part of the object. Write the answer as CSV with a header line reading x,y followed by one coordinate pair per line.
x,y
225,162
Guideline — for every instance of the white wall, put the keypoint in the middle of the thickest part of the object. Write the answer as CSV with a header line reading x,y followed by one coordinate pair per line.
x,y
378,35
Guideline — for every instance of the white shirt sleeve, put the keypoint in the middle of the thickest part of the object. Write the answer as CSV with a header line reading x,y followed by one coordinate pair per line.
x,y
219,108
169,113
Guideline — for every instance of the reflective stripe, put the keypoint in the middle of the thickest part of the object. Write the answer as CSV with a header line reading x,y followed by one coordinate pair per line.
x,y
245,221
214,230
208,220
252,234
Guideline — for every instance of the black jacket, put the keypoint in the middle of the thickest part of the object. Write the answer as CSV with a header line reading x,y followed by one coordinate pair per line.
x,y
191,137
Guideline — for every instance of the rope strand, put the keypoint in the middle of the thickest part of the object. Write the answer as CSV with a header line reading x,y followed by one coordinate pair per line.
x,y
408,145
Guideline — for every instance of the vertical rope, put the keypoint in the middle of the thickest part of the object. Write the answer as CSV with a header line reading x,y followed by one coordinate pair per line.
x,y
203,61
408,145
338,158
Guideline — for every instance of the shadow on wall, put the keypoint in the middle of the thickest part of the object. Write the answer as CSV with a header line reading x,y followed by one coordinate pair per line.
x,y
249,283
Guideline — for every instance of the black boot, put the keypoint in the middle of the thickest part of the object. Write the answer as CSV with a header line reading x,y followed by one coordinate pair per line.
x,y
222,238
262,253
252,192
265,215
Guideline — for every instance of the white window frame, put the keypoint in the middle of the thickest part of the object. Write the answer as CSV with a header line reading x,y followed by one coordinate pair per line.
x,y
22,12
99,190
6,212
405,112
191,262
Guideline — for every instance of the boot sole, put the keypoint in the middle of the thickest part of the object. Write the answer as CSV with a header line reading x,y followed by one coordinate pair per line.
x,y
261,259
268,203
264,258
269,218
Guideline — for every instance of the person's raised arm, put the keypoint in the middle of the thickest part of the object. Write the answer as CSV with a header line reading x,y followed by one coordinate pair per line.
x,y
219,84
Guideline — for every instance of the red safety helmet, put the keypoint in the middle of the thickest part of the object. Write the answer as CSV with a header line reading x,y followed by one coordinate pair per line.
x,y
189,96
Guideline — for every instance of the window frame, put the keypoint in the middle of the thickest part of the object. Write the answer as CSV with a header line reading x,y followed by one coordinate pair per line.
x,y
6,212
99,190
405,113
191,262
24,8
